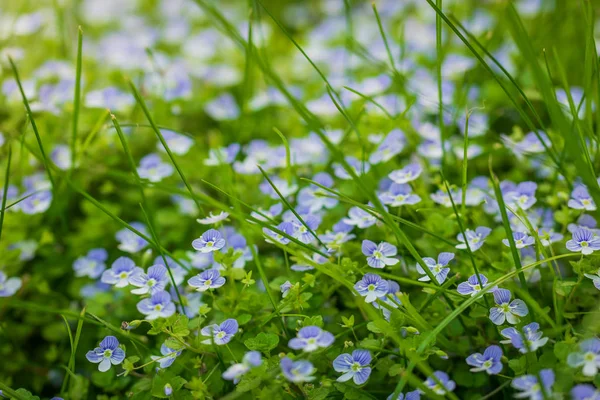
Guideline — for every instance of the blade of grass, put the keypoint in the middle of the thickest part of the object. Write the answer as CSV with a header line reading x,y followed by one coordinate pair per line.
x,y
288,158
76,98
5,189
66,379
438,70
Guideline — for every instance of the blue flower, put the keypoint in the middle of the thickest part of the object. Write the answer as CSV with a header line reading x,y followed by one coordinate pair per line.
x,y
399,194
157,306
120,271
595,278
507,310
522,196
213,218
223,155
61,156
285,227
285,288
110,97
475,238
489,361
234,373
588,357
220,334
8,287
585,392
359,217
356,165
153,168
372,287
584,241
312,198
130,242
301,231
339,235
439,269
548,236
272,212
92,264
379,255
283,186
530,387
297,371
521,240
107,354
36,203
209,279
406,174
222,108
310,338
581,199
178,144
446,385
152,282
414,395
531,335
473,285
355,366
167,358
210,241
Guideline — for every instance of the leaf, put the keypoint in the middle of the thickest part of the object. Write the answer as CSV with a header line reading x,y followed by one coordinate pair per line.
x,y
563,288
348,322
128,364
518,365
174,344
315,320
395,369
380,326
263,342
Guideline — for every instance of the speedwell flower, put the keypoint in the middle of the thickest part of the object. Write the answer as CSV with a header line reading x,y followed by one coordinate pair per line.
x,y
92,264
530,335
406,174
209,279
154,169
107,354
372,287
584,241
120,271
507,310
581,199
310,338
379,255
530,387
588,357
234,373
211,240
9,286
155,280
220,334
129,241
355,366
439,269
157,306
489,361
521,240
446,385
475,238
473,285
297,371
167,357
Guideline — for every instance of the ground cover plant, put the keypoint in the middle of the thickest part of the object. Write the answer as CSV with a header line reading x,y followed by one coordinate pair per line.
x,y
299,199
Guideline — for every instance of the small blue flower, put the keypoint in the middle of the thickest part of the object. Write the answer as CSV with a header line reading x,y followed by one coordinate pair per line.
x,y
530,387
399,194
178,144
372,287
154,169
581,199
313,199
507,310
120,271
92,264
584,241
355,366
130,242
439,269
157,306
360,218
489,361
210,241
61,156
446,385
473,285
585,392
475,238
595,278
379,255
223,155
311,338
8,287
37,203
220,334
271,213
285,227
152,282
301,231
548,236
521,240
531,335
522,196
167,358
168,389
209,279
234,373
588,357
283,186
406,174
297,371
414,395
107,354
355,164
213,218
285,288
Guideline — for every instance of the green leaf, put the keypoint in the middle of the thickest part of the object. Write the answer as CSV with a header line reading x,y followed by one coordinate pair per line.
x,y
348,322
518,365
395,369
315,320
563,288
263,342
